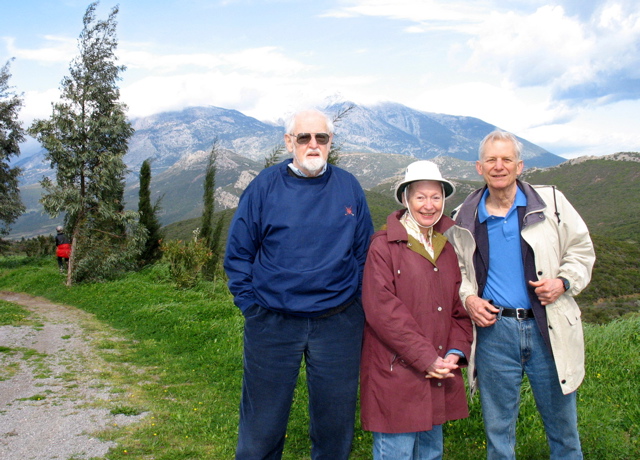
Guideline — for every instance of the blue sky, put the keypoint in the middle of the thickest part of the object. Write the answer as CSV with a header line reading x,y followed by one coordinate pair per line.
x,y
564,75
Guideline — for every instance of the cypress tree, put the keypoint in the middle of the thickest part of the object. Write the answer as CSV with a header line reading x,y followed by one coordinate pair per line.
x,y
211,234
148,217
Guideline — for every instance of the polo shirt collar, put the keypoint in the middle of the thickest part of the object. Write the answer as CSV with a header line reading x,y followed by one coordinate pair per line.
x,y
483,215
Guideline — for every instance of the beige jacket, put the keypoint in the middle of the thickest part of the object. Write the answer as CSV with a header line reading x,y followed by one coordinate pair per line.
x,y
560,249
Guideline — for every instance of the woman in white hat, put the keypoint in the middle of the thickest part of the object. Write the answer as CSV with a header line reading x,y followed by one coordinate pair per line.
x,y
417,332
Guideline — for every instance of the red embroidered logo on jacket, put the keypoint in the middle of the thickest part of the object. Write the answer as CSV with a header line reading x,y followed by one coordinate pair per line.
x,y
349,211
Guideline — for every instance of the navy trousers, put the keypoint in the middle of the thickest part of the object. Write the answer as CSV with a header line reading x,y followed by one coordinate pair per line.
x,y
274,346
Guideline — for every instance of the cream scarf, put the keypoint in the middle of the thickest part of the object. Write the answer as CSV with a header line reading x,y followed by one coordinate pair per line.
x,y
413,229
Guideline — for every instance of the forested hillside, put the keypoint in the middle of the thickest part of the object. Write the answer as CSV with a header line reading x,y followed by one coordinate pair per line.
x,y
605,191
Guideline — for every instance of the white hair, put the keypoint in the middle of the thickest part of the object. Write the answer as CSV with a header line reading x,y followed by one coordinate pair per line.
x,y
499,135
291,121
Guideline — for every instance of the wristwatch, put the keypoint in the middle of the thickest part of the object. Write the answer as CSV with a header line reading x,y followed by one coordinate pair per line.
x,y
565,283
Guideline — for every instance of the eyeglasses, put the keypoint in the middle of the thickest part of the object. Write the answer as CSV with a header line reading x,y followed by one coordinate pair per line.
x,y
305,138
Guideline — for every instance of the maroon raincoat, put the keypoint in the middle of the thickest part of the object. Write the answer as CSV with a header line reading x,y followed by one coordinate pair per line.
x,y
414,315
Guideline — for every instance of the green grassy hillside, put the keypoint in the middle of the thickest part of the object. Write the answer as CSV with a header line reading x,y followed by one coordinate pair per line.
x,y
605,192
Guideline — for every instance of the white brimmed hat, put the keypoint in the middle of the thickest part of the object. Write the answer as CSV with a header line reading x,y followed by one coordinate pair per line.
x,y
423,170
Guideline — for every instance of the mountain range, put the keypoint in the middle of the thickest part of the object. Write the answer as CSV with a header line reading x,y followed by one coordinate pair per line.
x,y
377,142
167,137
604,190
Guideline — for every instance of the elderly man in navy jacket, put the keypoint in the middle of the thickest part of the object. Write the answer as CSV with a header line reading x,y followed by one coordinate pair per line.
x,y
294,257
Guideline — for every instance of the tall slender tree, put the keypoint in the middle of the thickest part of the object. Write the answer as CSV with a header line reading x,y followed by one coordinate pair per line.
x,y
149,217
211,233
11,134
86,138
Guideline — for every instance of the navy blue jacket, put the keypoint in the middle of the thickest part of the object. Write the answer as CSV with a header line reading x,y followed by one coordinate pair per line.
x,y
298,245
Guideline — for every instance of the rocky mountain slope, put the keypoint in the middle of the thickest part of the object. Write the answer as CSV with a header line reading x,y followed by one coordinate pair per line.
x,y
377,142
167,137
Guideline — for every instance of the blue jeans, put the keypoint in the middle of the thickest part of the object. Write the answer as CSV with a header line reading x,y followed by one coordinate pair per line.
x,y
274,345
506,351
423,445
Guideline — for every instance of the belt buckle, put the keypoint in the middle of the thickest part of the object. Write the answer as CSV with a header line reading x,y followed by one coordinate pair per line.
x,y
521,313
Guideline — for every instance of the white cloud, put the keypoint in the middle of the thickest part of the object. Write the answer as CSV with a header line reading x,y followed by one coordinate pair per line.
x,y
262,98
166,63
414,30
262,60
596,61
585,137
591,54
37,104
529,50
265,60
253,79
502,106
57,50
453,13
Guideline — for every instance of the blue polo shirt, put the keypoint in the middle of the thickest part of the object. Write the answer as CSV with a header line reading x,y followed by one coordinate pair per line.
x,y
506,284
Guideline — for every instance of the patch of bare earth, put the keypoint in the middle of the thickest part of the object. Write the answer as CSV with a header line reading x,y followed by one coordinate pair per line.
x,y
54,395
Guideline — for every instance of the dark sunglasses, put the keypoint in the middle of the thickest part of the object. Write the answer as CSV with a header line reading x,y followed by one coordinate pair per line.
x,y
305,138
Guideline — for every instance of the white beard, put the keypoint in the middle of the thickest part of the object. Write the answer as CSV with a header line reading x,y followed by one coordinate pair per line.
x,y
313,165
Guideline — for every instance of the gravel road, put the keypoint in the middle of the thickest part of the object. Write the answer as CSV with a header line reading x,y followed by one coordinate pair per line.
x,y
53,396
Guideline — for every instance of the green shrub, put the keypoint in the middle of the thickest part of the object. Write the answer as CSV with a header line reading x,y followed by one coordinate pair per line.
x,y
106,254
186,259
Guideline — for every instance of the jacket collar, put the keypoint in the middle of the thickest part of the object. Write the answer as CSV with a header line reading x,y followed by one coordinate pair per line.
x,y
466,216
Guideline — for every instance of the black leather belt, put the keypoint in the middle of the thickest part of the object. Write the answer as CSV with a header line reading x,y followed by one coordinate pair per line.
x,y
518,313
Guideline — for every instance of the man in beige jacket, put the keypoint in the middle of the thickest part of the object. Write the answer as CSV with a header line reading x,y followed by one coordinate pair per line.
x,y
531,254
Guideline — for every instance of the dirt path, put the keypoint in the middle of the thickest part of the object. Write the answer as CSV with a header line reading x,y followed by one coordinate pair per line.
x,y
53,395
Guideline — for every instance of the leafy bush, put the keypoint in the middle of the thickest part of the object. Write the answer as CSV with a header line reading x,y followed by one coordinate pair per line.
x,y
34,247
186,259
103,255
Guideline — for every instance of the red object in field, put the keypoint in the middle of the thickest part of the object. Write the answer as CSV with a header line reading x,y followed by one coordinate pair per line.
x,y
63,250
